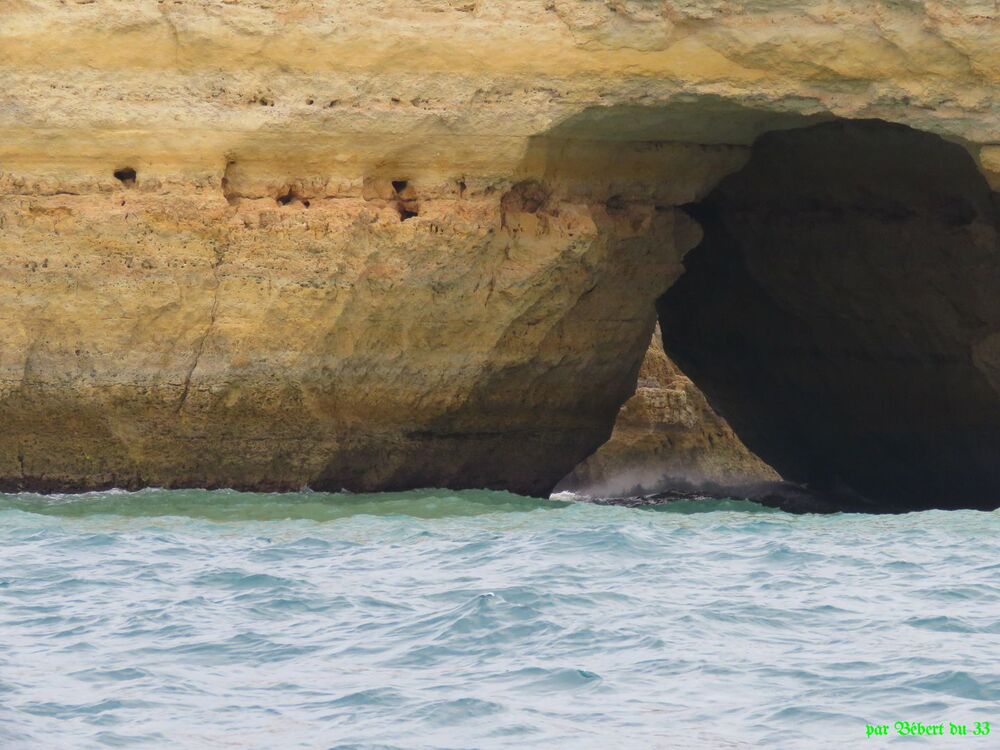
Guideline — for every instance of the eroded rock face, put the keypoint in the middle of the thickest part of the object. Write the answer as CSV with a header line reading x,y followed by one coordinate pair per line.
x,y
381,244
177,340
843,310
666,436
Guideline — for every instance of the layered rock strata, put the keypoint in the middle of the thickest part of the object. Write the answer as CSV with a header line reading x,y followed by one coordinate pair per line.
x,y
381,244
666,436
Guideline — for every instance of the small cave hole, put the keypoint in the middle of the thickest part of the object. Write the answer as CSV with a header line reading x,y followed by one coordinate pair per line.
x,y
126,176
527,197
228,192
407,212
399,185
615,204
291,197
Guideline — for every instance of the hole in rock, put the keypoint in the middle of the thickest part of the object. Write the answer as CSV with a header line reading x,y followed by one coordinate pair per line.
x,y
126,176
406,213
228,191
292,197
399,185
842,312
615,204
524,197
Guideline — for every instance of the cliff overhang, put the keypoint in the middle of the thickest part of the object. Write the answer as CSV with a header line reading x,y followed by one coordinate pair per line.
x,y
376,245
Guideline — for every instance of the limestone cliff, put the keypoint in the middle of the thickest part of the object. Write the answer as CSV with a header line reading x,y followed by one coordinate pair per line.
x,y
388,243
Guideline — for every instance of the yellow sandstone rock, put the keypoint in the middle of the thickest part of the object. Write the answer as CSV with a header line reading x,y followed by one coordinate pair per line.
x,y
666,436
386,243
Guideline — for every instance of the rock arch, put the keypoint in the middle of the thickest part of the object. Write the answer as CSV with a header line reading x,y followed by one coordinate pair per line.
x,y
842,311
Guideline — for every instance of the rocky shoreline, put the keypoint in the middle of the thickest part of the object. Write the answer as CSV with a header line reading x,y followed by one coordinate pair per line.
x,y
786,496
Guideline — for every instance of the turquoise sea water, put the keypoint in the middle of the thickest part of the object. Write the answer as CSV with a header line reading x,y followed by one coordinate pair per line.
x,y
193,619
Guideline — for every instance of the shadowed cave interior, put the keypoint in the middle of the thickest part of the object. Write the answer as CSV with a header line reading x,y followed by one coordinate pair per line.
x,y
842,313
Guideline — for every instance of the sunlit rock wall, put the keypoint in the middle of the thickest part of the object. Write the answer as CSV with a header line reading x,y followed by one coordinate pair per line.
x,y
383,244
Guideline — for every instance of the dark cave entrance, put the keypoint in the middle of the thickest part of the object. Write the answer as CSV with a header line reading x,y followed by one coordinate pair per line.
x,y
843,313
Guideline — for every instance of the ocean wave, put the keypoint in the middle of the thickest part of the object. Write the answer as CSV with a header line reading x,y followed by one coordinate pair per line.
x,y
444,619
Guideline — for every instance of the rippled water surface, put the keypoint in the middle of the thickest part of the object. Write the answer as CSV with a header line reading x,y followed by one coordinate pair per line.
x,y
485,620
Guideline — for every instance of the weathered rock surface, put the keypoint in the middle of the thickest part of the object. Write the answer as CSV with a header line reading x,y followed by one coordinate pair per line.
x,y
388,243
665,436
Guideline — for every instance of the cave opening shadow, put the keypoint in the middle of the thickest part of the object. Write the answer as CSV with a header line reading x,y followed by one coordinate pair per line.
x,y
843,313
